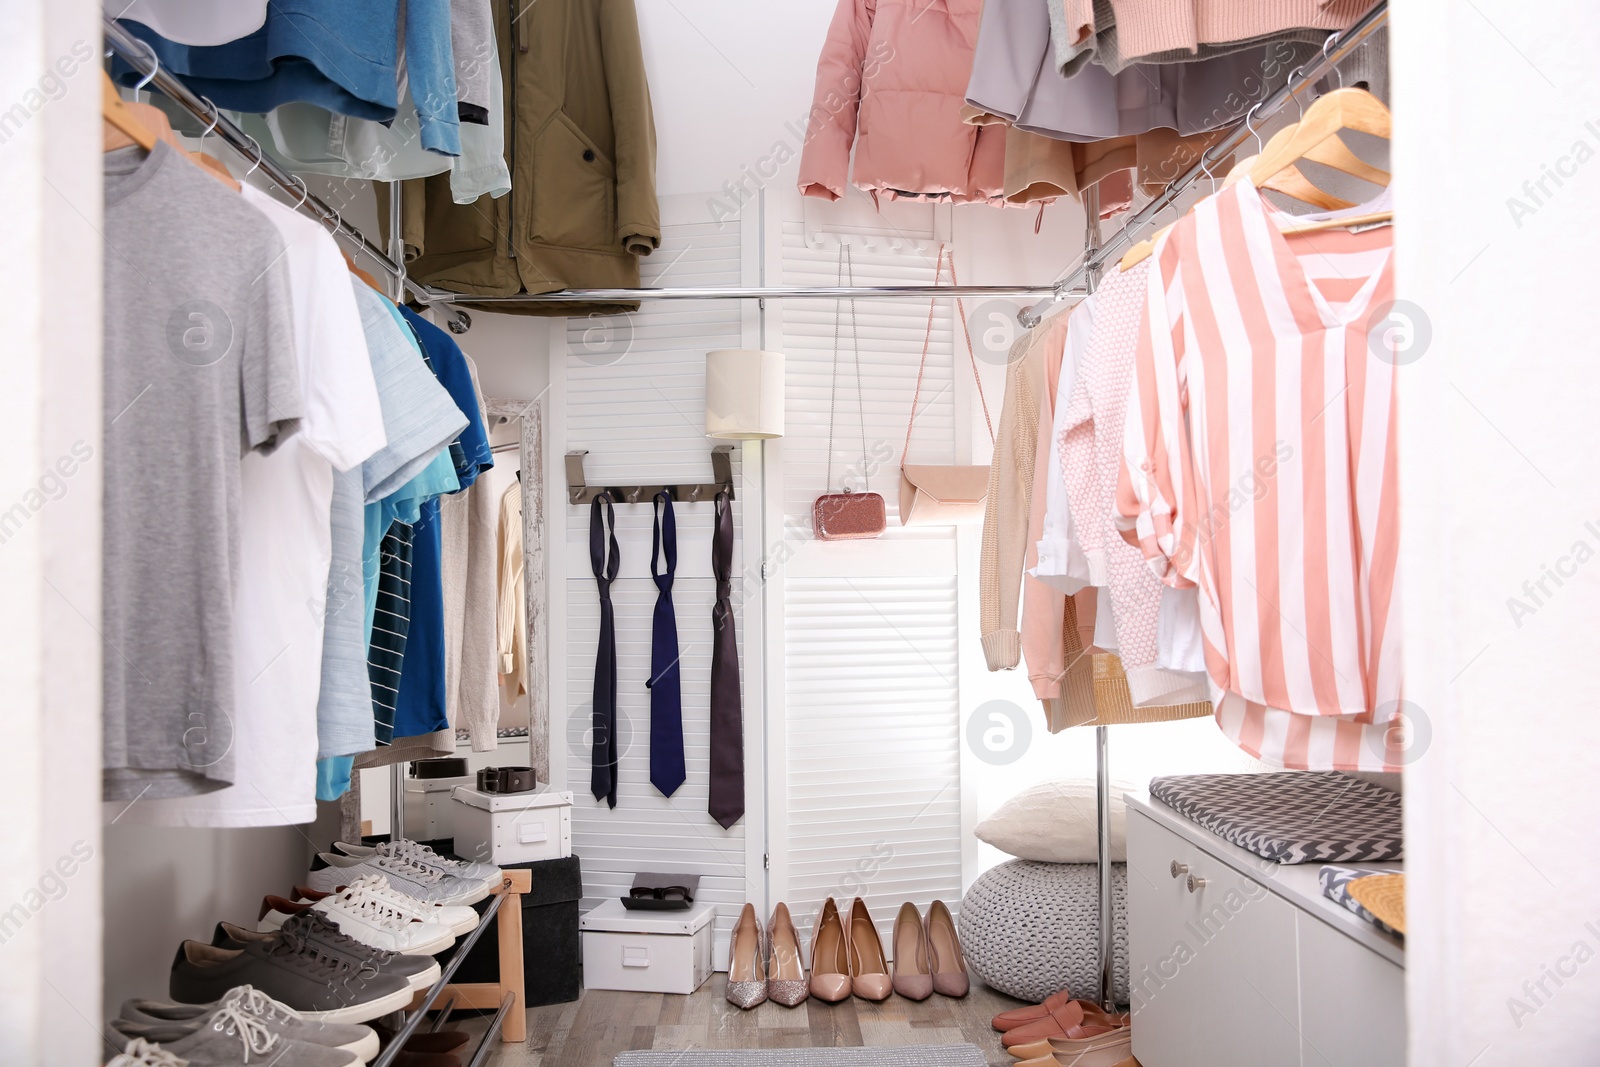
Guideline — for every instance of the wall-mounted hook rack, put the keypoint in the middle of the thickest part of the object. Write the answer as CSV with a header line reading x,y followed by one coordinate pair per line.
x,y
580,492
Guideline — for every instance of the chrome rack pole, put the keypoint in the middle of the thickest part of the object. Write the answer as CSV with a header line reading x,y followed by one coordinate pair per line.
x,y
487,1044
463,947
1301,80
1091,249
764,292
143,59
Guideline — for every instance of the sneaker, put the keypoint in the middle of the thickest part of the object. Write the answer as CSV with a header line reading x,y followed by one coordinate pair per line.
x,y
486,873
429,884
142,1053
419,972
288,968
371,918
459,918
274,1015
226,1036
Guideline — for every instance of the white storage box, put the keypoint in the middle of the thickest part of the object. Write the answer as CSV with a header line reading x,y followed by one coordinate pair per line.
x,y
430,813
647,951
502,828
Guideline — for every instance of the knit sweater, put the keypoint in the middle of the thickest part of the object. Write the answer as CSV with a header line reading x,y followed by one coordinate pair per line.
x,y
1118,33
1005,510
1090,448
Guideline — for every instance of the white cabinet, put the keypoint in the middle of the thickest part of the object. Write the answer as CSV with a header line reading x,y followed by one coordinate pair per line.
x,y
1238,962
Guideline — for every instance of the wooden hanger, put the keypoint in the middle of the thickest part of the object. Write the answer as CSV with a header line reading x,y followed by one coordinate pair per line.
x,y
153,122
363,275
118,115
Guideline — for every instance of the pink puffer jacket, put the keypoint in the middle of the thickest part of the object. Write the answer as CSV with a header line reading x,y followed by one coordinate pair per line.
x,y
892,78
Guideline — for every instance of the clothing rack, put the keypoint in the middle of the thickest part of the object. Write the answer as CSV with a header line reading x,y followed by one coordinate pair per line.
x,y
142,58
1096,254
1303,78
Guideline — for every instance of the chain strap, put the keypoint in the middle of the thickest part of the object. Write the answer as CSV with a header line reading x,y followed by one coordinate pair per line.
x,y
916,398
846,275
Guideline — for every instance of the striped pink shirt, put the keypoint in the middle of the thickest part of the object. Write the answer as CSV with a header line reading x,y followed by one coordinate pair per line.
x,y
1259,465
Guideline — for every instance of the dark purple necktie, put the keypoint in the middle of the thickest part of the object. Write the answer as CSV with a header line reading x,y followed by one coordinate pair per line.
x,y
727,713
604,558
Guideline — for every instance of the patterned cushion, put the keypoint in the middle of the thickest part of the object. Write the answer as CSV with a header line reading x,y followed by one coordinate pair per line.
x,y
1291,816
1335,881
1030,929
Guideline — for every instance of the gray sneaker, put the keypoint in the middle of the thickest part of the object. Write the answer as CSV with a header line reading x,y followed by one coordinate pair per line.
x,y
420,972
331,870
226,1037
142,1053
289,968
487,873
274,1015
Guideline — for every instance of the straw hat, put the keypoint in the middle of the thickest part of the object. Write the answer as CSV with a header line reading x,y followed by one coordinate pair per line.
x,y
1384,895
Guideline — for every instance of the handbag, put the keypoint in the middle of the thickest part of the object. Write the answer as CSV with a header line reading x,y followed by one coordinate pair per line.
x,y
847,515
943,494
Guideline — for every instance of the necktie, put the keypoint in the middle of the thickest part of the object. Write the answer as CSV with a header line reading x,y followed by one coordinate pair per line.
x,y
665,685
604,558
727,717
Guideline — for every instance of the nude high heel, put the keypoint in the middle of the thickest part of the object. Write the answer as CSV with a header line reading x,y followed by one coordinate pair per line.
x,y
869,967
830,956
747,957
913,975
786,975
949,965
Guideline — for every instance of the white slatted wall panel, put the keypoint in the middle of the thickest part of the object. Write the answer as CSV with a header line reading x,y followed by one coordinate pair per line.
x,y
642,419
871,741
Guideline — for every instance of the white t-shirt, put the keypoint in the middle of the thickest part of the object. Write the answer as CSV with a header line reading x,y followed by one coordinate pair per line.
x,y
194,22
285,549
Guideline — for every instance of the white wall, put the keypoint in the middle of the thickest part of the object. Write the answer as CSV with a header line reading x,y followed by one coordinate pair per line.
x,y
1499,483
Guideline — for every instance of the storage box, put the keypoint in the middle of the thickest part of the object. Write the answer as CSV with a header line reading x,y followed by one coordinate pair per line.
x,y
511,828
647,951
430,807
551,960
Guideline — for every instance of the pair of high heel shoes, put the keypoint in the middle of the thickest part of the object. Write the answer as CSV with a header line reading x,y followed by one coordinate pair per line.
x,y
847,957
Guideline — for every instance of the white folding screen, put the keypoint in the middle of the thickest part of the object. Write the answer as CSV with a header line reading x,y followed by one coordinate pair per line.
x,y
865,796
631,391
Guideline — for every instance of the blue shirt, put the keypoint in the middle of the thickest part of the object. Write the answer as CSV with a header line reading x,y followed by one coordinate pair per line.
x,y
338,54
422,705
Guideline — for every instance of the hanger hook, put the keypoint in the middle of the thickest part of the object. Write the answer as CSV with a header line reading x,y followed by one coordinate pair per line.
x,y
255,166
305,194
155,66
1333,68
1255,131
216,118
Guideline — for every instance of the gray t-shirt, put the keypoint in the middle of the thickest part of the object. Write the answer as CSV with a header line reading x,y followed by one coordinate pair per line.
x,y
199,367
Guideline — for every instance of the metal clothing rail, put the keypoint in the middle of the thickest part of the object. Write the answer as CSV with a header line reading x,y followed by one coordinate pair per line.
x,y
1303,78
760,292
143,59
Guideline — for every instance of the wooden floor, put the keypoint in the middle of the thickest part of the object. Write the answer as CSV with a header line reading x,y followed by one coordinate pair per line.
x,y
593,1029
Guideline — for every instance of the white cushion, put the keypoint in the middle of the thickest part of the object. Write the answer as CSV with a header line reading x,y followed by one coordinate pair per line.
x,y
1054,822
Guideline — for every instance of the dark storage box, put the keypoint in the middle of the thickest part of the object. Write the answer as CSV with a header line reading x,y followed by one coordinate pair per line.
x,y
551,958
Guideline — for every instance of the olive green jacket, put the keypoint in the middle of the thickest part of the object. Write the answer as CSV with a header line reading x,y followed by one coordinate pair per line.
x,y
581,148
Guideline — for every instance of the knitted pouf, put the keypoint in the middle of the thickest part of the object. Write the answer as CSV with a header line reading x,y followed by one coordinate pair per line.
x,y
1030,929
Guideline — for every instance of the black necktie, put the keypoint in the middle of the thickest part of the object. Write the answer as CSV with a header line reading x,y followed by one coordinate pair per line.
x,y
666,690
727,716
604,558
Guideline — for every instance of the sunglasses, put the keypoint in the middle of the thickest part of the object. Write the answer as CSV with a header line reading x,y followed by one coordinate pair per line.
x,y
666,892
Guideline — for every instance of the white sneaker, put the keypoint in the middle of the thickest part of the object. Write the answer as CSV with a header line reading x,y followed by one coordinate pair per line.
x,y
330,870
142,1053
417,852
459,918
376,920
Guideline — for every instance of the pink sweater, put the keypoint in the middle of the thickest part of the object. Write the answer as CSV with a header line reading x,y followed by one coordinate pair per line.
x,y
1150,27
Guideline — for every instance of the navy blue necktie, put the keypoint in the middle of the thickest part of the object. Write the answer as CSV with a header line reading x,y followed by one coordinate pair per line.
x,y
604,558
726,803
665,685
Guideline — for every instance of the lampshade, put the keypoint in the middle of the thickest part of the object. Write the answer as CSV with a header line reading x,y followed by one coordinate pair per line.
x,y
744,394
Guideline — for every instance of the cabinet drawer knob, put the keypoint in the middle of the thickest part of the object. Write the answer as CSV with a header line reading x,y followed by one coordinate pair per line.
x,y
1196,884
1179,869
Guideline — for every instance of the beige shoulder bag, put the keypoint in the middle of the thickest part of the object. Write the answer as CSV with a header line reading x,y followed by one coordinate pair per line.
x,y
943,495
